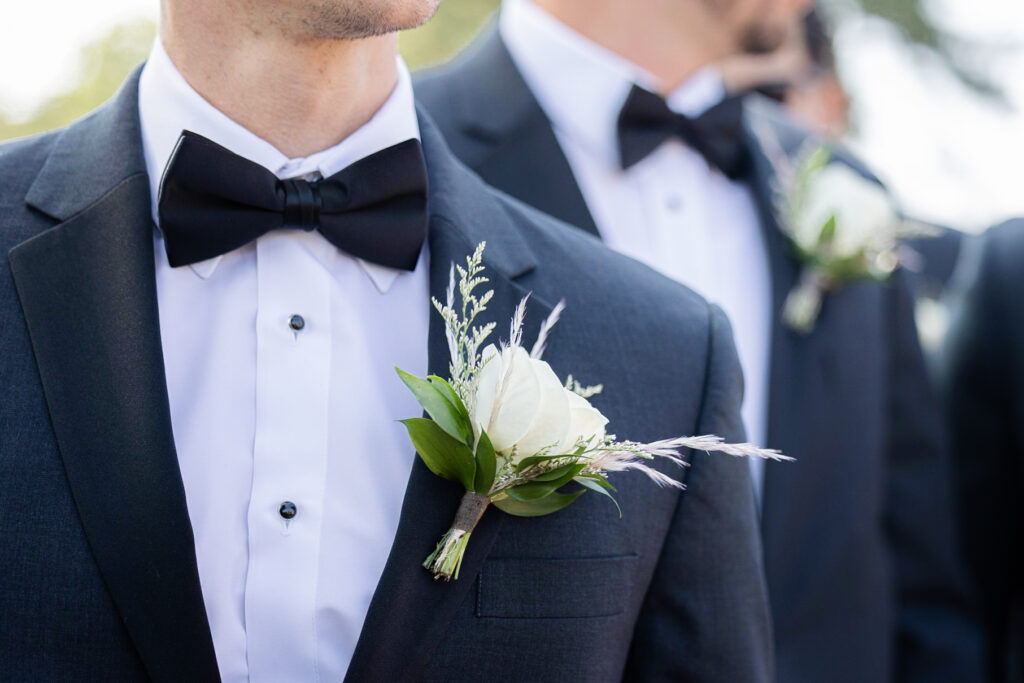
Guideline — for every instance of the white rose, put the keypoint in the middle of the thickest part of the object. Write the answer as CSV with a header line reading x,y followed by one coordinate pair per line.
x,y
865,217
523,407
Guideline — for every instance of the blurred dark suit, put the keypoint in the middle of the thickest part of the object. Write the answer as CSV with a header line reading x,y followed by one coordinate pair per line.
x,y
983,372
939,256
934,264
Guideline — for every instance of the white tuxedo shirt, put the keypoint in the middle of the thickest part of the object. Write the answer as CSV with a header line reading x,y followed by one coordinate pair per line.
x,y
265,414
670,211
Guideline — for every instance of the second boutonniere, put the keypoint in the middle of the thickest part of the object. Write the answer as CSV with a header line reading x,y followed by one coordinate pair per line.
x,y
511,433
843,227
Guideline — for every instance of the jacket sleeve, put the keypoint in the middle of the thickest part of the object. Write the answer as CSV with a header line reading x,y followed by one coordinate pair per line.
x,y
937,634
705,617
983,381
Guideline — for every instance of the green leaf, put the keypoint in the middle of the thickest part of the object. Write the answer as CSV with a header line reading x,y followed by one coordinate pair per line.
x,y
601,481
438,406
486,465
534,490
602,487
537,508
818,159
449,393
828,231
443,455
556,473
535,459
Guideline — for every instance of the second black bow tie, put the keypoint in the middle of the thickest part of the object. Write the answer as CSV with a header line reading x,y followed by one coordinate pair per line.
x,y
646,121
213,201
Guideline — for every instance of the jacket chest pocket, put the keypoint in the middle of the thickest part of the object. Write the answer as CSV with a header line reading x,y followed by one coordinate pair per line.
x,y
515,588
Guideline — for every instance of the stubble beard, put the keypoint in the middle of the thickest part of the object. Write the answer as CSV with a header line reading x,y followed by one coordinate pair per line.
x,y
327,20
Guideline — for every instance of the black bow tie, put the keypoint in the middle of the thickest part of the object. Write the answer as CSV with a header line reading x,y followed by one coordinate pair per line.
x,y
213,201
646,121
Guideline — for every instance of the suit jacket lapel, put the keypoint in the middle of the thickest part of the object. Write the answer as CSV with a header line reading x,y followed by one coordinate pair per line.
x,y
88,292
797,361
410,611
516,148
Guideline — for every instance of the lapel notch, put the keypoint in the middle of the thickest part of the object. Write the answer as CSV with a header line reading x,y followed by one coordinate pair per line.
x,y
512,143
797,361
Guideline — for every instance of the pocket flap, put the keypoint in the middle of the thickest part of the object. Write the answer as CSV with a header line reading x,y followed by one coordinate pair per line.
x,y
516,588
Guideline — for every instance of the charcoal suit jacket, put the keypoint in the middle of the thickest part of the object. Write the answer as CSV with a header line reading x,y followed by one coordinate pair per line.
x,y
862,571
100,578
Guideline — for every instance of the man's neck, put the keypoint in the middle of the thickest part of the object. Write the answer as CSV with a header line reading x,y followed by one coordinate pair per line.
x,y
652,42
300,96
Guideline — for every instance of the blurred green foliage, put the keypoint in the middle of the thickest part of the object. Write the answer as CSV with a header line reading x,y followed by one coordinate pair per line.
x,y
455,23
909,15
104,63
912,18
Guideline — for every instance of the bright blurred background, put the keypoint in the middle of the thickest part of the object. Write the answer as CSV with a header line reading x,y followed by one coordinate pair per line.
x,y
937,96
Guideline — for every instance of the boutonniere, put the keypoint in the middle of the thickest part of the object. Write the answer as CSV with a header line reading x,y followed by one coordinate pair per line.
x,y
508,430
842,228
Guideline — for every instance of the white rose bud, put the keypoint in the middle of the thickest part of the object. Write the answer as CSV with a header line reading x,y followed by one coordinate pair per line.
x,y
864,213
524,408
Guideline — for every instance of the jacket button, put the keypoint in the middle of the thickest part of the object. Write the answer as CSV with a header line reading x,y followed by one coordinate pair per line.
x,y
287,509
296,322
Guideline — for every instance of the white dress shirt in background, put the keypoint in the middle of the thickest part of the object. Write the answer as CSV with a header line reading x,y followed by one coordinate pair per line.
x,y
264,413
670,211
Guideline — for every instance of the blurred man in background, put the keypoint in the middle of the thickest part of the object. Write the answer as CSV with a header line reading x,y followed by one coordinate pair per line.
x,y
983,377
801,75
609,114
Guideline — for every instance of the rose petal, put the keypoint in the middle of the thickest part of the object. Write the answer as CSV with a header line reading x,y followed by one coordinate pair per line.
x,y
585,421
517,401
488,379
551,424
863,211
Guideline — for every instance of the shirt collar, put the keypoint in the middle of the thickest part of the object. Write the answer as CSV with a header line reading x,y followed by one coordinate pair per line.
x,y
168,105
583,94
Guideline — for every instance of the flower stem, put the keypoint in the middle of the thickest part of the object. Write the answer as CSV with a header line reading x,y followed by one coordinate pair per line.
x,y
803,304
446,560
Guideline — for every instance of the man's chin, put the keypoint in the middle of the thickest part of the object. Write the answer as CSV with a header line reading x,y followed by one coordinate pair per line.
x,y
355,19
